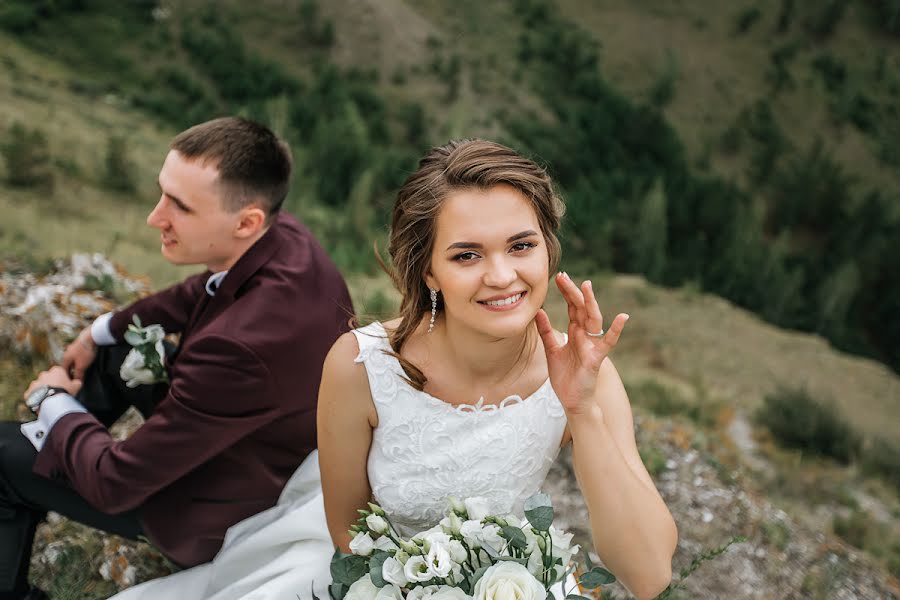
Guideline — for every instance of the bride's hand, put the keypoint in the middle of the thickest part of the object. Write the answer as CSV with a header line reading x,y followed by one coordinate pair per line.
x,y
574,366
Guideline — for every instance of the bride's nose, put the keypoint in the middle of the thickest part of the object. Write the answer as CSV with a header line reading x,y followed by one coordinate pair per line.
x,y
499,273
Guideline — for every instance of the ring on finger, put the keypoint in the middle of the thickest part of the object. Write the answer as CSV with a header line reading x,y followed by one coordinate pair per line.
x,y
600,334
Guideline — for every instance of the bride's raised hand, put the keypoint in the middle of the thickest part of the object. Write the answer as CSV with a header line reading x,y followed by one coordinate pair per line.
x,y
574,366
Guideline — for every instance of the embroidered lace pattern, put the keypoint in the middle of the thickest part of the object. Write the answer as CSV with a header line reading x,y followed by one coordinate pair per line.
x,y
425,449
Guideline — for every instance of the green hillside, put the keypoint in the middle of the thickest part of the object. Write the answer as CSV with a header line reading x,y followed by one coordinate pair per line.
x,y
751,150
746,151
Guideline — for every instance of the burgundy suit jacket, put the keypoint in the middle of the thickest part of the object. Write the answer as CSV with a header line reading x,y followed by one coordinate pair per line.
x,y
240,414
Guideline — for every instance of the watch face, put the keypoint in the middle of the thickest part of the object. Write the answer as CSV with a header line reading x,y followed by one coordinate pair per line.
x,y
35,398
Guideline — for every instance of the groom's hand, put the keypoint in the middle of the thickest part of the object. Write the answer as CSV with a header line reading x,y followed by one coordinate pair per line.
x,y
79,354
56,376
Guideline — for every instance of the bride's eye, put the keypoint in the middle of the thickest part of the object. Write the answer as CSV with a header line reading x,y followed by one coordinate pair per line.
x,y
465,257
522,246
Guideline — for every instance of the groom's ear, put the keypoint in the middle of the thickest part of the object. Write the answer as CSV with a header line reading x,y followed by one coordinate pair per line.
x,y
252,220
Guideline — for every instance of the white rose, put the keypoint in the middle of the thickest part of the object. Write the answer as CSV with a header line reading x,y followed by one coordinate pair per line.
x,y
416,569
133,371
362,589
392,572
438,559
562,548
377,524
471,532
508,581
477,508
362,544
385,543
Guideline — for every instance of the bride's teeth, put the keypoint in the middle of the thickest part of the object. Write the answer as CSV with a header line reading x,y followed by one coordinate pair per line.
x,y
504,302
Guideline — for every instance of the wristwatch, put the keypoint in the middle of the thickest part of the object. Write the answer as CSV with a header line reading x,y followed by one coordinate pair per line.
x,y
37,397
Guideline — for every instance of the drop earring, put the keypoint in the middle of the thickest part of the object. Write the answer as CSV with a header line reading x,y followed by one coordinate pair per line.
x,y
433,308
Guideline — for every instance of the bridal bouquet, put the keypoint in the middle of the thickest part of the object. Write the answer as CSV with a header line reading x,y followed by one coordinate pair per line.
x,y
469,555
145,362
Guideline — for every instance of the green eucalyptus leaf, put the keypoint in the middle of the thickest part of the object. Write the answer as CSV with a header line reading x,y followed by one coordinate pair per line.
x,y
349,568
595,578
576,597
550,596
539,511
337,591
515,536
478,573
376,561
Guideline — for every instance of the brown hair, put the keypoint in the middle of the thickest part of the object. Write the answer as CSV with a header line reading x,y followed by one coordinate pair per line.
x,y
253,164
457,165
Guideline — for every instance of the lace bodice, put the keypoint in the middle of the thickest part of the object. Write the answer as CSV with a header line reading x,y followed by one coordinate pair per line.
x,y
425,449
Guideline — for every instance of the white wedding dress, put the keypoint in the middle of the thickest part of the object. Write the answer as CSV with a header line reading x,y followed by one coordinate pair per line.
x,y
423,451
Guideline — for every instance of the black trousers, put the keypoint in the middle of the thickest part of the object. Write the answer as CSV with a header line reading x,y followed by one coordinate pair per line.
x,y
25,498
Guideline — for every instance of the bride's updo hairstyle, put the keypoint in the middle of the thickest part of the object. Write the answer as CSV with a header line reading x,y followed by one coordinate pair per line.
x,y
455,166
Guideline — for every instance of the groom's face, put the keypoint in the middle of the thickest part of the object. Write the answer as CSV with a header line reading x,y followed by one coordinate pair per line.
x,y
194,227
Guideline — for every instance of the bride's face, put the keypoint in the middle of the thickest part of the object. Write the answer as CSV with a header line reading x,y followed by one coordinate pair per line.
x,y
489,260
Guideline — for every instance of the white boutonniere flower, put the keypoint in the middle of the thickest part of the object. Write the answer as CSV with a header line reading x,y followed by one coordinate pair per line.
x,y
145,363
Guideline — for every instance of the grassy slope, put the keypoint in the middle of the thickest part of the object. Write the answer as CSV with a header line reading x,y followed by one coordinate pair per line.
x,y
720,72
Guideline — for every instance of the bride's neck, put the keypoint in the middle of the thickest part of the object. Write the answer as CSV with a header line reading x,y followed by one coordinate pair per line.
x,y
482,358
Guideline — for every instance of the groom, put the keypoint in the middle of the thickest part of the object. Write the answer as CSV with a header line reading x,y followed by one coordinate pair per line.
x,y
237,417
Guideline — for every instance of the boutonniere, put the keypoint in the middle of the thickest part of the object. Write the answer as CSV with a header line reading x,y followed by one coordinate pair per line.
x,y
145,363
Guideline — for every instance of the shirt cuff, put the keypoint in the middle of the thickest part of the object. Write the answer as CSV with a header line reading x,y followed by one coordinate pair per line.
x,y
52,410
100,332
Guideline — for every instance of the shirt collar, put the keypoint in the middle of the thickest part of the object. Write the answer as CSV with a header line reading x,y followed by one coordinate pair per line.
x,y
212,284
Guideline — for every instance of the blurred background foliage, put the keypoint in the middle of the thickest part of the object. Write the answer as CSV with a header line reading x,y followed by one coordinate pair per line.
x,y
776,188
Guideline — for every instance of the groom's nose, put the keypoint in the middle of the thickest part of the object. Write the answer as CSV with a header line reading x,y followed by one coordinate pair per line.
x,y
157,218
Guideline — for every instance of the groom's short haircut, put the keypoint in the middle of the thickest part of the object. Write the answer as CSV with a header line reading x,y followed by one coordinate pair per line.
x,y
253,164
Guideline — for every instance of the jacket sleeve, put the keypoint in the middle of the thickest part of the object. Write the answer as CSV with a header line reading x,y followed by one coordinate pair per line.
x,y
171,307
222,393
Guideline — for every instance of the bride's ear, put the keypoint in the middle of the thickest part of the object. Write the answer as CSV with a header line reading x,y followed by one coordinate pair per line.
x,y
430,281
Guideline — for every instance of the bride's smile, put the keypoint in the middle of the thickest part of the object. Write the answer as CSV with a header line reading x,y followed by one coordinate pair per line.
x,y
489,261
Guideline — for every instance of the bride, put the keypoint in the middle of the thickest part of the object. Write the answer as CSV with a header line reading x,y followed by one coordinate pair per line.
x,y
469,392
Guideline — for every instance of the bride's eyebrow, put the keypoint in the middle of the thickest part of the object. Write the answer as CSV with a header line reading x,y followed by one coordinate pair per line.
x,y
512,238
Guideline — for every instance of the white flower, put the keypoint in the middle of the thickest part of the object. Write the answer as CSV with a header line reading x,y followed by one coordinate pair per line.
x,y
457,551
447,592
362,589
490,536
421,593
508,581
437,592
471,532
456,506
536,563
133,370
392,572
385,543
362,544
451,524
389,592
477,508
377,524
435,538
416,569
438,559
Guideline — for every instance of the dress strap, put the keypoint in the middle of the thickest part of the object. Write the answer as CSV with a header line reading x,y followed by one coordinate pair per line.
x,y
370,338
